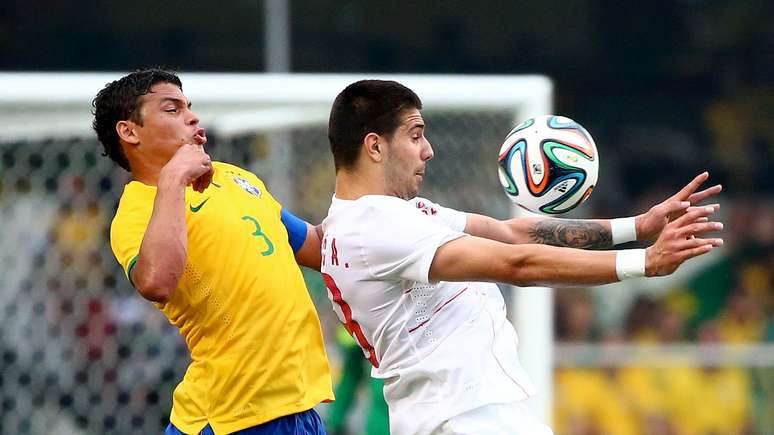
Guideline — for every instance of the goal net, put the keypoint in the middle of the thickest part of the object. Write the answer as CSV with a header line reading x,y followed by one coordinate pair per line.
x,y
81,351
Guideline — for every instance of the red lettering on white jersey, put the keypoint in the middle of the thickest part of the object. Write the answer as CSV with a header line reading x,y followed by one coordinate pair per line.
x,y
350,324
334,253
324,247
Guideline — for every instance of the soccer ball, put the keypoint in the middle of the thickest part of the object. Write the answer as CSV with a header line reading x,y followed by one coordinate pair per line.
x,y
548,164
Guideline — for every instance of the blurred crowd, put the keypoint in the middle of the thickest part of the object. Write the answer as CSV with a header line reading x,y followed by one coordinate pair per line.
x,y
730,301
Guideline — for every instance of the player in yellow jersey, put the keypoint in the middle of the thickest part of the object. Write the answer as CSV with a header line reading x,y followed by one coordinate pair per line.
x,y
216,253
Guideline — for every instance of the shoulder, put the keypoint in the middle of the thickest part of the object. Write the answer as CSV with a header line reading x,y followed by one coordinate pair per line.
x,y
244,178
234,171
383,203
371,212
366,213
425,205
385,209
133,213
136,198
223,166
392,212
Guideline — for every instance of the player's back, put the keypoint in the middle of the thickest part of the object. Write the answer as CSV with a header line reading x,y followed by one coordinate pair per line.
x,y
441,347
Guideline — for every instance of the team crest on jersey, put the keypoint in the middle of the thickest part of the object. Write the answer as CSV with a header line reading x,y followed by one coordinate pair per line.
x,y
426,208
249,188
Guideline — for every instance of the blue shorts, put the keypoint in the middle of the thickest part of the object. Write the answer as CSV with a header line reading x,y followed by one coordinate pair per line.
x,y
302,423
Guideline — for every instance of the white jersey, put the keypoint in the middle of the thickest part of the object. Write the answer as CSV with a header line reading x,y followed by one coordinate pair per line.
x,y
443,348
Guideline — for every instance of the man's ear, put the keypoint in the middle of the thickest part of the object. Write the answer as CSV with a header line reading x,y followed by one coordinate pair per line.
x,y
126,132
373,145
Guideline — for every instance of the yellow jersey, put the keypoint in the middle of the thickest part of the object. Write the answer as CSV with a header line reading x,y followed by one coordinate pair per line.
x,y
242,306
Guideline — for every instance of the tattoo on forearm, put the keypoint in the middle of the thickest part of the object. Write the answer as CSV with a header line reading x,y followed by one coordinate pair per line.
x,y
571,233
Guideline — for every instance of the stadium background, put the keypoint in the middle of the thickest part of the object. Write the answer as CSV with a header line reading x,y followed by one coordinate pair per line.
x,y
666,88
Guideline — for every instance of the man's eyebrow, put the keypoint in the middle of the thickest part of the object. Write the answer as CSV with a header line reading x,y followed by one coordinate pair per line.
x,y
175,100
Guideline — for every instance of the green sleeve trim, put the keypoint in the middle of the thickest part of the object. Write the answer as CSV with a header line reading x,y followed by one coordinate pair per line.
x,y
132,263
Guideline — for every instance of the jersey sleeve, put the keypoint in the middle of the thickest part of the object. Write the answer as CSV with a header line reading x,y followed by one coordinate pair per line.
x,y
296,228
456,220
401,243
126,234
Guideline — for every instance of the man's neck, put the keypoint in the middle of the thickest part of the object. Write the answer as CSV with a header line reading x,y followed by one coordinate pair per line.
x,y
145,172
352,185
144,176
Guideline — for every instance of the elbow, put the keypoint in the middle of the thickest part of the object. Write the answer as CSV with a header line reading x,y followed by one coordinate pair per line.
x,y
155,293
519,272
309,260
155,289
155,281
521,280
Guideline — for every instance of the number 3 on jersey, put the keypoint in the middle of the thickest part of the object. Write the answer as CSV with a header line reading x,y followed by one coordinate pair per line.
x,y
259,233
351,324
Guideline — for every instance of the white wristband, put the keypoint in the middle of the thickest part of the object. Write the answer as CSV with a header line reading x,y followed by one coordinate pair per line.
x,y
623,230
630,263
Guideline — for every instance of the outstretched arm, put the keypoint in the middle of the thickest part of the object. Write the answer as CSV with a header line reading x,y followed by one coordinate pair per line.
x,y
475,258
571,233
593,233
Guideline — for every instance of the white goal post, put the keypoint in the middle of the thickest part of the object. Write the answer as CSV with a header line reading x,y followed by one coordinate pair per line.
x,y
40,106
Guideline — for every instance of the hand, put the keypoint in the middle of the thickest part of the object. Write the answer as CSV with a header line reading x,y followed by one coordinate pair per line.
x,y
678,242
190,165
200,184
650,224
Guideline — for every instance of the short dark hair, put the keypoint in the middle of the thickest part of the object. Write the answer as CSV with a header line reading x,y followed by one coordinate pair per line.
x,y
367,106
119,101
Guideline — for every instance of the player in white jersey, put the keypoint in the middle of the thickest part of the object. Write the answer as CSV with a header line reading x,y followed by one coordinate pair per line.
x,y
412,281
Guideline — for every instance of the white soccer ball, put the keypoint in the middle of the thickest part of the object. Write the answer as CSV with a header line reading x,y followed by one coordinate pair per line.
x,y
548,164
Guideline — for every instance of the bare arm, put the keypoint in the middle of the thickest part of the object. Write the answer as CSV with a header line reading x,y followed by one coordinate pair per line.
x,y
588,233
164,248
478,259
309,253
475,258
571,233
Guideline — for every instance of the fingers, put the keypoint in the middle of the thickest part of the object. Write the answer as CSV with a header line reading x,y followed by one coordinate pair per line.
x,y
693,223
714,206
698,228
695,252
691,187
190,147
679,241
687,244
692,216
196,164
205,180
704,194
201,159
676,206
